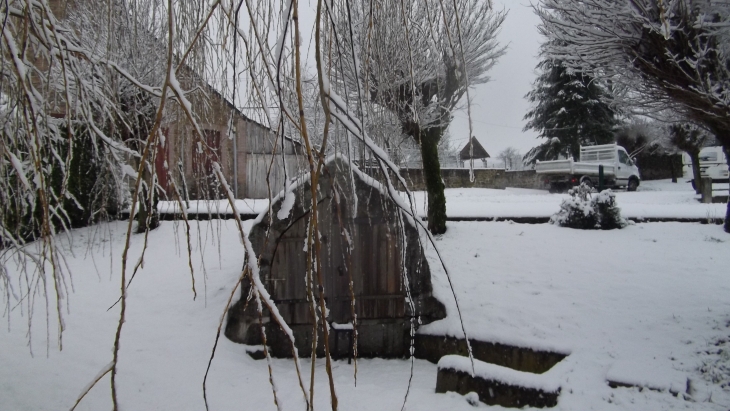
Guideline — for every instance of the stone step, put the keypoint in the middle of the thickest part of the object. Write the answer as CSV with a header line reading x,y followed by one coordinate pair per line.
x,y
496,385
434,347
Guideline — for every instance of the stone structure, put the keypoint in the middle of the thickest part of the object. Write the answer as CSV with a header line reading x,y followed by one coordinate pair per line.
x,y
385,250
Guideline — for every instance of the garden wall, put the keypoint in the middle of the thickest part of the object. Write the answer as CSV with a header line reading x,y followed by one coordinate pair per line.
x,y
483,178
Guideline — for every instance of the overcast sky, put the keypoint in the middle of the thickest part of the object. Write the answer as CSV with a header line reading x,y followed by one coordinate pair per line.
x,y
499,106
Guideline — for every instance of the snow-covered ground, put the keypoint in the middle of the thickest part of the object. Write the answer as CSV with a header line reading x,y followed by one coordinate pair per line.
x,y
640,305
647,304
654,199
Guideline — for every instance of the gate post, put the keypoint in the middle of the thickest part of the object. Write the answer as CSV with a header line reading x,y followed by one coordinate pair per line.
x,y
706,188
600,178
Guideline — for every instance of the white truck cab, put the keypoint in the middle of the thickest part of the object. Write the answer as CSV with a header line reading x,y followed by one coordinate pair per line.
x,y
713,163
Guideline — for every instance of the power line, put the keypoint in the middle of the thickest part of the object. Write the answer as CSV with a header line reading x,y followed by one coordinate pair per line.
x,y
489,124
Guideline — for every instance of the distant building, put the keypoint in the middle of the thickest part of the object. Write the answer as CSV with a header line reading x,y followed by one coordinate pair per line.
x,y
473,150
253,159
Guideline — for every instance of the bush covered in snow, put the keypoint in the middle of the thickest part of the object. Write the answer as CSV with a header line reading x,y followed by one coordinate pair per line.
x,y
585,211
715,366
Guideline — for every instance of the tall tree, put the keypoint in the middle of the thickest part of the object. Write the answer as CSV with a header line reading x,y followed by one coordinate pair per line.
x,y
419,60
658,54
568,111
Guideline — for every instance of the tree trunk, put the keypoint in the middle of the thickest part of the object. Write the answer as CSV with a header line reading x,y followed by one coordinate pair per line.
x,y
434,182
695,157
726,148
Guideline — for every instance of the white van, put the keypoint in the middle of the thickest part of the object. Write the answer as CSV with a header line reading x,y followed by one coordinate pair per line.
x,y
713,164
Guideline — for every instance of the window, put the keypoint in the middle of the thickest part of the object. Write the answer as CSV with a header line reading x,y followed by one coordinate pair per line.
x,y
623,158
708,157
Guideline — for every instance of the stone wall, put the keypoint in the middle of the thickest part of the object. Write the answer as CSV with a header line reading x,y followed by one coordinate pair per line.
x,y
524,179
483,178
384,251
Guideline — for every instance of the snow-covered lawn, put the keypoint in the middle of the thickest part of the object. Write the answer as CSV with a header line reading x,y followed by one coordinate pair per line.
x,y
648,304
654,199
640,305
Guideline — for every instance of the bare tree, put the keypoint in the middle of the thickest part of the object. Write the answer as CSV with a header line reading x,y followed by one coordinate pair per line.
x,y
511,158
657,54
418,59
690,139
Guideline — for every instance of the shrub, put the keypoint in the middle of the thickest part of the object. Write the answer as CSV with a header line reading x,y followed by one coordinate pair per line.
x,y
587,212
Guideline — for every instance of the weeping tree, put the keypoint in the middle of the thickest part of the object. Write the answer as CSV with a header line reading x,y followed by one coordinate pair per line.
x,y
417,60
82,100
121,78
657,54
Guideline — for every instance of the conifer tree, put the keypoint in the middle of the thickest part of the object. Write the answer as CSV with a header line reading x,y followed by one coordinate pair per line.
x,y
568,112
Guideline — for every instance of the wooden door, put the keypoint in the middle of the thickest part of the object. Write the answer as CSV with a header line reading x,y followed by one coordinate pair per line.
x,y
287,280
376,270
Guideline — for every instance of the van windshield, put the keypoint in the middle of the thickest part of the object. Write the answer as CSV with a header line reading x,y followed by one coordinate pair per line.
x,y
708,156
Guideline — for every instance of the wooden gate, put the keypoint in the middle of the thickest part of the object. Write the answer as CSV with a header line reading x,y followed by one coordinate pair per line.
x,y
376,262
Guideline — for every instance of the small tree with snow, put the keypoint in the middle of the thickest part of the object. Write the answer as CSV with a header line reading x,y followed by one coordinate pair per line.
x,y
587,212
607,212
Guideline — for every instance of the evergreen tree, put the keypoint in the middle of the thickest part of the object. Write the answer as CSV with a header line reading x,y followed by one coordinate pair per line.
x,y
568,112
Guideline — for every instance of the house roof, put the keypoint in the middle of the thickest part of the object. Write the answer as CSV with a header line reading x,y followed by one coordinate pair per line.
x,y
478,150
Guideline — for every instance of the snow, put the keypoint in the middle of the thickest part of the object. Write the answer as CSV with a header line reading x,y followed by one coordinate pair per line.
x,y
497,373
343,327
654,199
18,166
647,304
638,305
243,206
286,205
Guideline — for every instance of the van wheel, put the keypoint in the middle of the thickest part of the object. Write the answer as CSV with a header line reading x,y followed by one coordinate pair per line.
x,y
633,184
